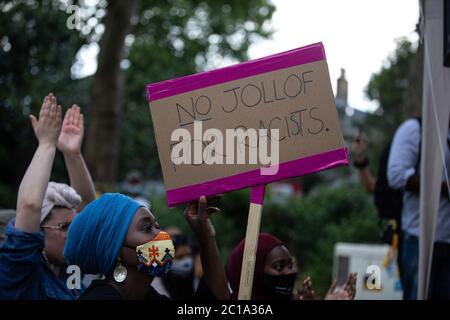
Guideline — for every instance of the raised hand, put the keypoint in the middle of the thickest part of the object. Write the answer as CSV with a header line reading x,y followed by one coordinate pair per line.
x,y
197,215
346,292
48,127
71,137
306,292
350,285
34,183
359,146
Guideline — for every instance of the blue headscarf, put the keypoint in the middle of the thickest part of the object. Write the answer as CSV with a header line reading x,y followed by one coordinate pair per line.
x,y
97,233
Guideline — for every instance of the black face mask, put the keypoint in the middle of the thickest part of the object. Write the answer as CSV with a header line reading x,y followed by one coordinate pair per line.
x,y
280,287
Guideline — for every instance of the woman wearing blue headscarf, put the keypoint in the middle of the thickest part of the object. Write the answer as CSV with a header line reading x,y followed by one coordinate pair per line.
x,y
117,237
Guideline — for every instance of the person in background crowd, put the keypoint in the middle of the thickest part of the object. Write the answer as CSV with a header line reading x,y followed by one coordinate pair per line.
x,y
32,265
387,201
361,162
404,174
275,274
133,186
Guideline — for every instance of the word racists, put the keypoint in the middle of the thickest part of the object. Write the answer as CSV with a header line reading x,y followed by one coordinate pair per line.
x,y
256,141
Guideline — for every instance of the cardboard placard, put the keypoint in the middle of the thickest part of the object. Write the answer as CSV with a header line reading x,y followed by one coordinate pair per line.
x,y
290,91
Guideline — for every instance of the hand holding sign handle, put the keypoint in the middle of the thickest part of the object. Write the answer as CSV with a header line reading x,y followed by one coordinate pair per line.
x,y
251,242
197,214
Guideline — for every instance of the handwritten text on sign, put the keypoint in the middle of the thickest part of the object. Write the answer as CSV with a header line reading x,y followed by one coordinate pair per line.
x,y
296,100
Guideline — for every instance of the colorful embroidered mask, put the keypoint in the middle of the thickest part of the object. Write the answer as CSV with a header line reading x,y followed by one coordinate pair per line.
x,y
155,257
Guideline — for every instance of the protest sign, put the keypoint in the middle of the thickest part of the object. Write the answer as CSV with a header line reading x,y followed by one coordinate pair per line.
x,y
290,91
284,101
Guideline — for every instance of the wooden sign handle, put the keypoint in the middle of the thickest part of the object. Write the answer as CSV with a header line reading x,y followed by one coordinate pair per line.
x,y
251,242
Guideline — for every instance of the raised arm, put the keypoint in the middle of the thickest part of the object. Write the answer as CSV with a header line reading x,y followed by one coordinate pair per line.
x,y
34,183
362,163
69,143
197,216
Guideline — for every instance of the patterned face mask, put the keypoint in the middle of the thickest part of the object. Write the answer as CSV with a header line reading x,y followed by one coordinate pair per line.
x,y
156,256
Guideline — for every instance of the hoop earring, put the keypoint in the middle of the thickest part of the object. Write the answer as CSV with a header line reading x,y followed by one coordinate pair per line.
x,y
120,272
45,258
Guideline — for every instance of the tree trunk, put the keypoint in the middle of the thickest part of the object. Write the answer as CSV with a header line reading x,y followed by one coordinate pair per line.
x,y
103,134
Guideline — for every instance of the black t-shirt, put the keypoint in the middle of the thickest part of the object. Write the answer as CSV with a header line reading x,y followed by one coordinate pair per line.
x,y
108,290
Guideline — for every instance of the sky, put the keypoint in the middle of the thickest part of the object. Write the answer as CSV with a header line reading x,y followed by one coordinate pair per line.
x,y
358,35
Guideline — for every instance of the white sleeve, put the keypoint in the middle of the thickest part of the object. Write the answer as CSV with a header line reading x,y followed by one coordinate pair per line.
x,y
404,153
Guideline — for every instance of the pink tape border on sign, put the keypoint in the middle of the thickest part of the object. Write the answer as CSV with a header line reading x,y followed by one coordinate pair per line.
x,y
299,56
287,169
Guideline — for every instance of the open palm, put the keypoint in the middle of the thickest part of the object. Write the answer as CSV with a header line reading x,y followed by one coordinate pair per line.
x,y
306,292
346,292
72,131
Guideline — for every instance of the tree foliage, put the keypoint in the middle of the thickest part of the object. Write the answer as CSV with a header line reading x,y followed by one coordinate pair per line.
x,y
397,88
173,39
38,55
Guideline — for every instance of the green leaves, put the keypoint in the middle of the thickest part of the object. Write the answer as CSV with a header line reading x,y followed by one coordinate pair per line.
x,y
177,38
36,57
397,88
169,39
